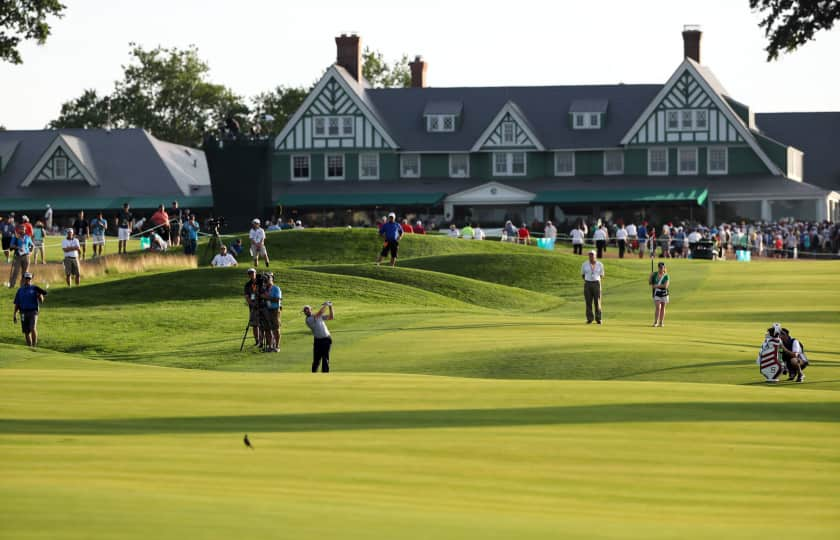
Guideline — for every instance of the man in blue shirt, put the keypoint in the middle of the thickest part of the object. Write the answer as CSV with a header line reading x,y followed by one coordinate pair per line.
x,y
273,297
21,247
391,232
190,231
642,233
98,226
28,301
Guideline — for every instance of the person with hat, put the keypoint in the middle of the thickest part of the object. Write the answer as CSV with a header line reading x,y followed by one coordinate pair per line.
x,y
257,236
391,232
418,228
48,218
322,339
71,248
273,298
252,298
190,232
659,282
21,247
27,226
28,300
125,221
592,272
7,229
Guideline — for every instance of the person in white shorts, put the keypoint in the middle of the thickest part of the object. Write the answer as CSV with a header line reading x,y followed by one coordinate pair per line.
x,y
125,221
257,236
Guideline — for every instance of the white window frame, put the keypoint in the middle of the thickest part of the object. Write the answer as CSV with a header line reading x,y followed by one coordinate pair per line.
x,y
308,167
466,173
680,170
369,155
668,126
402,166
607,153
327,167
512,126
557,171
440,120
509,164
63,160
725,169
341,122
587,120
651,172
684,126
705,121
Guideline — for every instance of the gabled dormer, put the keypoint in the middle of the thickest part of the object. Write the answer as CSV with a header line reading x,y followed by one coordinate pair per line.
x,y
509,129
66,159
588,113
442,116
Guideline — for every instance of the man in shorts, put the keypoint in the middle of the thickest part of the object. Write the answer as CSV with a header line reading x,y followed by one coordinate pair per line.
x,y
257,236
71,248
125,221
391,232
252,293
21,247
273,297
28,301
81,228
98,226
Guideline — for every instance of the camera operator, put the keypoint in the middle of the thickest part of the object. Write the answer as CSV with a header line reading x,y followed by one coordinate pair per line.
x,y
252,298
323,341
272,297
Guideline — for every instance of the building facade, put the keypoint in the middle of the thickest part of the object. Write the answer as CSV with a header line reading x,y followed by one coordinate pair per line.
x,y
684,149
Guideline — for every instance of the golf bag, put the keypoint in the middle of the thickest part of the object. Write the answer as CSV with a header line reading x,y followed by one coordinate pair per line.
x,y
770,358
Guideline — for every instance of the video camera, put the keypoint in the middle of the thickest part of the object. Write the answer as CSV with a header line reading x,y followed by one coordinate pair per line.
x,y
216,223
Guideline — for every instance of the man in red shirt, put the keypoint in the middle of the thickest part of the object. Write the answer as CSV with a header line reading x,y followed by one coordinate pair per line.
x,y
418,228
524,235
406,227
160,219
27,227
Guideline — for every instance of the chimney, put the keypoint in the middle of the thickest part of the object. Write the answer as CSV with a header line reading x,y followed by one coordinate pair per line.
x,y
418,72
349,54
691,41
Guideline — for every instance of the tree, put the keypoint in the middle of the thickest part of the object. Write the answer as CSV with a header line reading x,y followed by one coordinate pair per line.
x,y
380,74
274,108
164,91
789,24
23,20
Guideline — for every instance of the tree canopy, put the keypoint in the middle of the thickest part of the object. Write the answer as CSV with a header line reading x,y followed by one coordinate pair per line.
x,y
789,24
22,20
381,74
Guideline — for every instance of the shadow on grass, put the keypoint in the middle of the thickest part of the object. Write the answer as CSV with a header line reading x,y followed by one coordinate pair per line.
x,y
825,412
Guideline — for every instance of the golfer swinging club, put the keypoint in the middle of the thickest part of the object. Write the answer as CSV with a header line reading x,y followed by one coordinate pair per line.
x,y
323,341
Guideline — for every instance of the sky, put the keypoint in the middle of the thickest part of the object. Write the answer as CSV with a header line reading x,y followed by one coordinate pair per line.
x,y
252,46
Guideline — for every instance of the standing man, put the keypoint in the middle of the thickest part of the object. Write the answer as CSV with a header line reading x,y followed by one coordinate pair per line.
x,y
81,227
550,231
642,232
257,236
391,232
273,298
98,226
21,247
323,342
27,226
71,248
621,238
8,230
577,240
48,218
125,221
600,238
28,300
592,272
632,239
190,235
175,220
160,219
252,298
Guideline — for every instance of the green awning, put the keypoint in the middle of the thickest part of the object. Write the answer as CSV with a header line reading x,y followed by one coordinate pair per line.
x,y
94,203
697,195
360,199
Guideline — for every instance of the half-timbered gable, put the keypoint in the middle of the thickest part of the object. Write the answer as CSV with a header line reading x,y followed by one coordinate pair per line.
x,y
67,159
334,116
508,129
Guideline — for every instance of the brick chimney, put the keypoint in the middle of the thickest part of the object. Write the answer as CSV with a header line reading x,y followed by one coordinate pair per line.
x,y
349,54
691,41
418,72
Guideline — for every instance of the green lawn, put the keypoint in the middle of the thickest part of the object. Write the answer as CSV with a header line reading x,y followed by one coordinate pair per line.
x,y
468,400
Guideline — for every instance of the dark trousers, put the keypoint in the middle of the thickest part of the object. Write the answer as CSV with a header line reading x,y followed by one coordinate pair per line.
x,y
577,249
592,297
601,245
321,354
622,245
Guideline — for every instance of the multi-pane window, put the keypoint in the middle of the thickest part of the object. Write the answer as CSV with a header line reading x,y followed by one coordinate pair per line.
x,y
459,165
300,167
613,162
509,164
687,160
333,126
410,165
440,122
507,132
687,117
368,166
687,120
564,163
587,120
335,166
701,119
717,160
658,161
579,121
673,120
60,167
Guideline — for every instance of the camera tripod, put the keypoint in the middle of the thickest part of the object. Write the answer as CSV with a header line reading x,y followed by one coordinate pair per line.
x,y
263,333
213,244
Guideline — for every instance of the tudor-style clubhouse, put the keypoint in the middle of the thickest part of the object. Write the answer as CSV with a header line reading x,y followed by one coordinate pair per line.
x,y
683,149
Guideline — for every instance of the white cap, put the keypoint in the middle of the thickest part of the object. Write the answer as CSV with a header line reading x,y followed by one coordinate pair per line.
x,y
27,275
252,270
419,222
592,252
393,215
255,221
305,308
